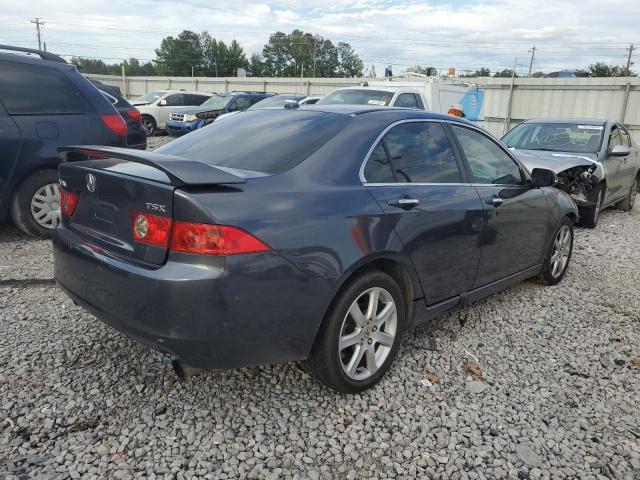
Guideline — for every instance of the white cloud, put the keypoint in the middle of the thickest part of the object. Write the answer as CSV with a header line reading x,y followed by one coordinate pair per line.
x,y
466,34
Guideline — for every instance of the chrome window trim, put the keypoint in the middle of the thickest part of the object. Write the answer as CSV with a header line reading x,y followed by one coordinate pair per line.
x,y
417,184
363,180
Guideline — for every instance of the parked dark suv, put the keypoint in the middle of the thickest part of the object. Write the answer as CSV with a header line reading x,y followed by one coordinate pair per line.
x,y
186,121
45,103
136,133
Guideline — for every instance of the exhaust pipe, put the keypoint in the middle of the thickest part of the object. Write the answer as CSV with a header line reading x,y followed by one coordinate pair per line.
x,y
182,370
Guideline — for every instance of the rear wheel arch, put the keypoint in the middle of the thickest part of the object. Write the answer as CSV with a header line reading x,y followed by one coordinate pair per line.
x,y
399,272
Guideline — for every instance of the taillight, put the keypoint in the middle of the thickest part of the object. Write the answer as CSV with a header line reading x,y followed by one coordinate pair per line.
x,y
214,240
115,123
135,114
151,229
68,202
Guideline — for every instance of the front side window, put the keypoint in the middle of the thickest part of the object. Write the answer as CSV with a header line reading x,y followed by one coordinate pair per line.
x,y
614,139
417,152
176,100
488,162
33,90
242,103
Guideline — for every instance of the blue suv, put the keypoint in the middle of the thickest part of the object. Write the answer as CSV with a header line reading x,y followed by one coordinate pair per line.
x,y
45,103
186,121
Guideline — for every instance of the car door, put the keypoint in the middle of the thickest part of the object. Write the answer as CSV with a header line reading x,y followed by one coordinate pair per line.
x,y
630,163
614,168
416,178
518,222
10,141
174,102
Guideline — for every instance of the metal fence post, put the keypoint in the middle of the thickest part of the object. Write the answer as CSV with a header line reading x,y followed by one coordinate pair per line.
x,y
146,85
625,102
507,117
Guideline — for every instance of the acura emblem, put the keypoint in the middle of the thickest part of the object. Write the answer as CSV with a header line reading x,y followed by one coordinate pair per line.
x,y
91,182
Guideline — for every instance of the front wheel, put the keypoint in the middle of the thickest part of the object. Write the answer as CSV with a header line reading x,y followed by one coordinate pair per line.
x,y
589,216
360,335
557,260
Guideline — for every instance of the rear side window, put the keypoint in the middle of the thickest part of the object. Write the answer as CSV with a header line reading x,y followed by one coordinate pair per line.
x,y
488,162
270,141
33,90
378,167
406,100
419,152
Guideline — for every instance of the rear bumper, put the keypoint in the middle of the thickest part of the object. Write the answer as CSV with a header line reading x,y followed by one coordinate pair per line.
x,y
176,129
209,312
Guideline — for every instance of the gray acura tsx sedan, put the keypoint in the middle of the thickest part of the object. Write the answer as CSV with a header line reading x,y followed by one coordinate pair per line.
x,y
318,234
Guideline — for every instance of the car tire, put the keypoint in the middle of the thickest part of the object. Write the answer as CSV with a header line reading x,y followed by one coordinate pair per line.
x,y
630,200
559,253
35,205
589,215
369,342
149,125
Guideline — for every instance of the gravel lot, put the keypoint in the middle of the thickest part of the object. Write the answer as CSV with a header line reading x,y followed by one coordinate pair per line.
x,y
534,382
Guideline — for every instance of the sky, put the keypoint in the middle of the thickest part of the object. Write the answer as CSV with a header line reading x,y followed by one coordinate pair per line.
x,y
465,34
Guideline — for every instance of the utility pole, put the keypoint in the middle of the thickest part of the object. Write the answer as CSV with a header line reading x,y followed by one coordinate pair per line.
x,y
314,55
533,56
37,23
631,48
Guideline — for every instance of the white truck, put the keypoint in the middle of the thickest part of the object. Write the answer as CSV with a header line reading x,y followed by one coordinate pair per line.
x,y
425,93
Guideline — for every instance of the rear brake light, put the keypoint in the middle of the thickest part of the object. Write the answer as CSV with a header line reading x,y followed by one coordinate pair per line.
x,y
115,123
135,114
151,229
214,240
68,202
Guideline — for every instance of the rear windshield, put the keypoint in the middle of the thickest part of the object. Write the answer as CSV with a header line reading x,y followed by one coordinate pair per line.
x,y
353,96
269,141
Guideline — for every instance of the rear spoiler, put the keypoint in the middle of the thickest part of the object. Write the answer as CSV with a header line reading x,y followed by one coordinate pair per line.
x,y
181,171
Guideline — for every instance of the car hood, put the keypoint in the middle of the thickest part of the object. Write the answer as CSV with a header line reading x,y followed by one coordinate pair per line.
x,y
556,161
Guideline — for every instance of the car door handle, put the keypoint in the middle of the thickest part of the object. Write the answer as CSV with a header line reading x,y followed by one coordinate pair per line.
x,y
404,203
495,201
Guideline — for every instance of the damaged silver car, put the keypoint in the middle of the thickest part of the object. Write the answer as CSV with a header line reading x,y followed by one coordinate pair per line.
x,y
596,161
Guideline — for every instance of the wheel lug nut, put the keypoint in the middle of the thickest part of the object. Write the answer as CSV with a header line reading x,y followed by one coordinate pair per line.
x,y
369,341
374,328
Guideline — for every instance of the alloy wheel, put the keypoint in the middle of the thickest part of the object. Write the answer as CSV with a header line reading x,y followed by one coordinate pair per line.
x,y
561,251
45,206
368,333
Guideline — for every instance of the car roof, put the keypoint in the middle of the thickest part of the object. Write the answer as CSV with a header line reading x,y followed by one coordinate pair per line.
x,y
381,88
400,113
583,121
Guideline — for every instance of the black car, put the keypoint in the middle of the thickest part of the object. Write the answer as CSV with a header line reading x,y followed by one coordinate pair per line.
x,y
316,233
45,103
136,133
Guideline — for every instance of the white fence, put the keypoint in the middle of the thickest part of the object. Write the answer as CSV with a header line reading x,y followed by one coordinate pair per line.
x,y
505,101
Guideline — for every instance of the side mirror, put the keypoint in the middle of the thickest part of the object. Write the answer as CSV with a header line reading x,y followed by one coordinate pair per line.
x,y
620,151
162,103
541,177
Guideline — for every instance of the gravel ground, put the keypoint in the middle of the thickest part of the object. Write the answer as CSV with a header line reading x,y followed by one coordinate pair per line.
x,y
157,141
534,382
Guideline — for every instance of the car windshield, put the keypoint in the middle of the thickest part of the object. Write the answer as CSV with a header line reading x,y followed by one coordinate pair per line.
x,y
217,102
279,139
149,97
556,137
355,96
275,101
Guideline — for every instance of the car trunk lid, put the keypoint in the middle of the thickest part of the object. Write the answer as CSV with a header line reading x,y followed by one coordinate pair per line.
x,y
114,186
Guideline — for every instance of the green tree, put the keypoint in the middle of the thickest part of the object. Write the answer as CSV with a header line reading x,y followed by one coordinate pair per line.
x,y
428,71
256,65
601,69
506,73
96,66
133,67
481,72
177,55
350,64
300,53
538,75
